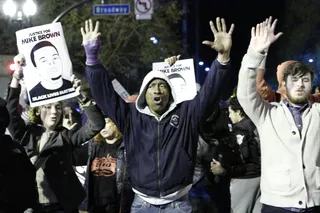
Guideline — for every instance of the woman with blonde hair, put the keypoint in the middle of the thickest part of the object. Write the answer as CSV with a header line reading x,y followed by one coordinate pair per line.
x,y
49,146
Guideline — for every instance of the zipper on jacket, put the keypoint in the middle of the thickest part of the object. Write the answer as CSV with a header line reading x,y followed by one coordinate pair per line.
x,y
158,158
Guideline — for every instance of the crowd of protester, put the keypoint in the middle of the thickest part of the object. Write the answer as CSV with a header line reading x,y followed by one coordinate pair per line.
x,y
256,152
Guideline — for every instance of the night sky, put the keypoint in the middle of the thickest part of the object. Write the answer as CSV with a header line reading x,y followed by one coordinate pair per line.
x,y
244,14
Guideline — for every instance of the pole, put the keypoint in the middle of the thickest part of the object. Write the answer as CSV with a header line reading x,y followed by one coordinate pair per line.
x,y
69,9
197,42
184,26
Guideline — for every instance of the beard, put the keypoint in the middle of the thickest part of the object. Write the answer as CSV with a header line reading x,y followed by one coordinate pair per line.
x,y
298,100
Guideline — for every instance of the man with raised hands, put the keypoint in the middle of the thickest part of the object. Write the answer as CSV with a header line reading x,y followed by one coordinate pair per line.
x,y
160,135
289,130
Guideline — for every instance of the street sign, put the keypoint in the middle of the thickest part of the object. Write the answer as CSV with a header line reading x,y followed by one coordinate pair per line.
x,y
144,17
111,9
143,7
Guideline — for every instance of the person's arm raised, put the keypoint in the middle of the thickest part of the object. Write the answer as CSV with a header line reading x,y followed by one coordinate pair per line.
x,y
262,86
99,80
210,93
247,94
17,126
95,121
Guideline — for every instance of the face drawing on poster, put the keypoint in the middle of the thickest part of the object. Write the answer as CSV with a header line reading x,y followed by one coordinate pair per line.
x,y
181,76
179,84
47,62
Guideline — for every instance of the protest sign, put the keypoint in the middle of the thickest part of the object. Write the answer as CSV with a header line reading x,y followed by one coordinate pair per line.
x,y
48,67
122,92
182,78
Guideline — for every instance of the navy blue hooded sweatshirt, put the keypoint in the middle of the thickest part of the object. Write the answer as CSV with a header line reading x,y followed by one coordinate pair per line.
x,y
161,152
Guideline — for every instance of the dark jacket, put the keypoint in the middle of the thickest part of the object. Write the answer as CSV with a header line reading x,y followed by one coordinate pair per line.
x,y
248,141
84,156
56,155
18,189
218,142
160,152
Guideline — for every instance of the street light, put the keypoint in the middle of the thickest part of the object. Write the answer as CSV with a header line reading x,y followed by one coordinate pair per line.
x,y
14,11
9,8
29,8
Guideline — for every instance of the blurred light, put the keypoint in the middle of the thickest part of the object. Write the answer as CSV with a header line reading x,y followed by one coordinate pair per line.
x,y
11,66
77,109
155,41
201,63
9,8
310,60
19,15
29,8
207,69
152,38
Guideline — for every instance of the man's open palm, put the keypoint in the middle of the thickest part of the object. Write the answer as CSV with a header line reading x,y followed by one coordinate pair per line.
x,y
262,36
271,26
222,39
88,33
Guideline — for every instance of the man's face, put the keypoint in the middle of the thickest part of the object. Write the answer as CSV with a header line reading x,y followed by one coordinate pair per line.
x,y
157,96
234,115
298,88
50,115
48,63
109,130
178,85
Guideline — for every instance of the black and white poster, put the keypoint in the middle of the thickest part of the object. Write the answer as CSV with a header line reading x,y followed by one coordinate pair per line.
x,y
182,77
48,67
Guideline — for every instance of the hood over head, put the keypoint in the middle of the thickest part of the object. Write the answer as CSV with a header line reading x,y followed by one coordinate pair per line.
x,y
141,103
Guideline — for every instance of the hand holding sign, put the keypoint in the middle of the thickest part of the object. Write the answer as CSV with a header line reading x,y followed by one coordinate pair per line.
x,y
76,83
222,39
19,62
172,60
83,99
89,34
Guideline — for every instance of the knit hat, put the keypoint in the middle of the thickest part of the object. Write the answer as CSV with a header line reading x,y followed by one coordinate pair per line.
x,y
280,71
281,68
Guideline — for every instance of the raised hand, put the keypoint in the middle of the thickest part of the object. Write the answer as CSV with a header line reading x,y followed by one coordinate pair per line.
x,y
259,38
222,39
88,33
262,36
270,30
19,62
67,121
